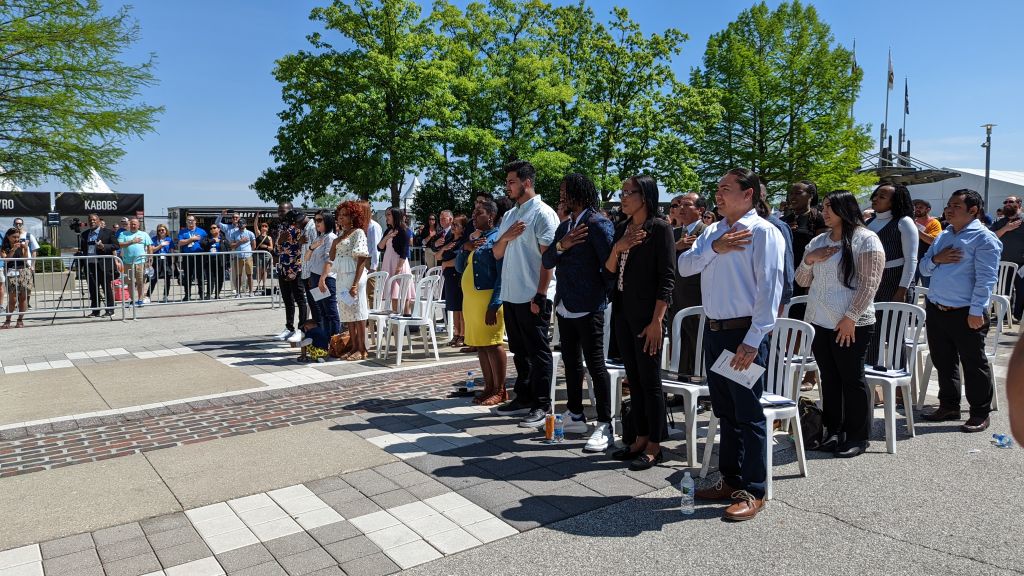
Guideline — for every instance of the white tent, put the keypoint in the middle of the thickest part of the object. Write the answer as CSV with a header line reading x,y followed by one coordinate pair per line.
x,y
1002,183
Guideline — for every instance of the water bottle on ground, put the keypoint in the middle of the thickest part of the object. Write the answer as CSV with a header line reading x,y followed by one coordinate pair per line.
x,y
559,430
470,382
1002,440
686,494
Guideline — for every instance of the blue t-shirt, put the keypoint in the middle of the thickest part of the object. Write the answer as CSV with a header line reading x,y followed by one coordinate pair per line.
x,y
237,234
196,246
134,253
161,248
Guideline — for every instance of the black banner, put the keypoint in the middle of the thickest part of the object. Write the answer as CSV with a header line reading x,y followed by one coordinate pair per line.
x,y
75,203
24,203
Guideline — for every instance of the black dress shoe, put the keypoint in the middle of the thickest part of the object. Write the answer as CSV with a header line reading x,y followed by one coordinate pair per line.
x,y
108,313
624,454
975,424
941,414
95,314
829,444
852,449
646,461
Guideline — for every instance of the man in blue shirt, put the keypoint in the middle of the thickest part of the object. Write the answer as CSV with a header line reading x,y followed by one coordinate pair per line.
x,y
135,244
242,241
963,263
190,243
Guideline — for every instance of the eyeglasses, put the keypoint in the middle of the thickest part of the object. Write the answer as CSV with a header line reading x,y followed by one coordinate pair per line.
x,y
318,219
673,206
19,223
627,193
1005,202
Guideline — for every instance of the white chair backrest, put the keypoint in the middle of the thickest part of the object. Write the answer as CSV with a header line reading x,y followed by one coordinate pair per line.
x,y
435,271
788,350
677,341
403,283
607,328
425,290
917,295
900,324
418,272
439,287
378,279
795,301
1004,281
995,335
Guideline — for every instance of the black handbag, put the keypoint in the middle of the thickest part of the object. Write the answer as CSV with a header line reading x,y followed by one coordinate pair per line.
x,y
811,422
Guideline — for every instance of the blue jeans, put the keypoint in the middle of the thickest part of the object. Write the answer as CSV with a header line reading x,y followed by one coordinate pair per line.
x,y
743,443
327,308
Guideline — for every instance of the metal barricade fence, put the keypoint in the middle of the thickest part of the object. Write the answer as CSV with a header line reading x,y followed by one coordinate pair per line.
x,y
189,277
47,285
102,285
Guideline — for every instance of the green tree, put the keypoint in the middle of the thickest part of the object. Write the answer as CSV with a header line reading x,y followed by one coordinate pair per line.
x,y
359,119
67,102
786,88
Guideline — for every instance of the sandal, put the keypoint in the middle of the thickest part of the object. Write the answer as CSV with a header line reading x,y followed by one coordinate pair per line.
x,y
20,324
808,384
5,325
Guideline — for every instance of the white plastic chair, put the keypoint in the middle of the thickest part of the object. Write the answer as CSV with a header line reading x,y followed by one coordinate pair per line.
x,y
616,372
690,391
808,363
377,304
1005,281
399,325
381,313
418,272
790,342
1001,303
899,333
439,304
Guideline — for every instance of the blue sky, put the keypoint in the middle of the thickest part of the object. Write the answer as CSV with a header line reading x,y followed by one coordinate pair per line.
x,y
214,63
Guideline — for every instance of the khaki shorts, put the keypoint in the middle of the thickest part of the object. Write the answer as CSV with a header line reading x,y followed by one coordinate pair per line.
x,y
244,266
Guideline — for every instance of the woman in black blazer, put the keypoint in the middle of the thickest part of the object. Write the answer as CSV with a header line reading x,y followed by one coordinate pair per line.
x,y
642,266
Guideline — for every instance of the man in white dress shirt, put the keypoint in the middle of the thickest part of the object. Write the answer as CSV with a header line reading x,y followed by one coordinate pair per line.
x,y
741,261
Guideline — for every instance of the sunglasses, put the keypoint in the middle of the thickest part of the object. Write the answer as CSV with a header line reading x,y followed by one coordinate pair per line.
x,y
318,219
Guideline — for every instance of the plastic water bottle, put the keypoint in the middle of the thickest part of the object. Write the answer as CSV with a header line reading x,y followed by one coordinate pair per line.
x,y
686,494
559,429
1002,440
470,381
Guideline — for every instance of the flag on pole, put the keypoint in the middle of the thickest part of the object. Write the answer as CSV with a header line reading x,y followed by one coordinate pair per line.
x,y
892,77
906,97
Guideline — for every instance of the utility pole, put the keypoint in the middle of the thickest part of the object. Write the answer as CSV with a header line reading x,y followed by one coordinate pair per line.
x,y
988,157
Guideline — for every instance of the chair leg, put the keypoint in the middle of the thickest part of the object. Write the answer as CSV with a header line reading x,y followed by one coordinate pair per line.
x,y
709,445
616,402
798,438
433,342
690,407
909,410
768,453
590,390
889,392
387,341
925,379
399,343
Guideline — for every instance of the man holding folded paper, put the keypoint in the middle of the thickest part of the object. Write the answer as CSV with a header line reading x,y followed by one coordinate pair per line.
x,y
740,259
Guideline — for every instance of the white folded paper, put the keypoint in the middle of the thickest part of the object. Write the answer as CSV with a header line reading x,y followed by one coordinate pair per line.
x,y
346,298
747,377
318,294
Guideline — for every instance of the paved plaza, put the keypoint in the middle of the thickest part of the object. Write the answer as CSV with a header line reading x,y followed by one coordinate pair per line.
x,y
195,445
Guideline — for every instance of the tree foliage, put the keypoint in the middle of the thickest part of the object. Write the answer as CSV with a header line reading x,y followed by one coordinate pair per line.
x,y
786,91
67,101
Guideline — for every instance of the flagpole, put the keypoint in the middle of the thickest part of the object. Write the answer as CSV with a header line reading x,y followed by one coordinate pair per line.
x,y
885,126
903,133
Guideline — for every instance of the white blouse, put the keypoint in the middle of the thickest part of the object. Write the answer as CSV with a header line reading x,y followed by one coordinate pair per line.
x,y
829,300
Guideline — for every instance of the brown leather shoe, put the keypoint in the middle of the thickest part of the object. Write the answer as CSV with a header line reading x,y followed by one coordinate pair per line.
x,y
975,424
745,507
720,491
941,414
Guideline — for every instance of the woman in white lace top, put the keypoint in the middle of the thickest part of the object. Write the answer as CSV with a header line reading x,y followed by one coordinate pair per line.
x,y
843,268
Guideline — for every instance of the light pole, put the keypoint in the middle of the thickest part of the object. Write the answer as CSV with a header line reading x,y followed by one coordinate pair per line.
x,y
988,157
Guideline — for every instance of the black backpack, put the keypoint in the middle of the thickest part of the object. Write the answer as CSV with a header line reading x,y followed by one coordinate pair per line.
x,y
811,422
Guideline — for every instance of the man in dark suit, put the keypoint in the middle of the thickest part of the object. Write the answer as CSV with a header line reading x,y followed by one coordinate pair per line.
x,y
100,243
688,211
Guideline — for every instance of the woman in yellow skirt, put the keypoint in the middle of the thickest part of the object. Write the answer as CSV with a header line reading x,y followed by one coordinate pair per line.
x,y
481,303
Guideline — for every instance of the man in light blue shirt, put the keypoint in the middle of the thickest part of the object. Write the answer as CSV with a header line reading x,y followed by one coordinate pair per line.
x,y
963,263
135,244
526,232
741,262
242,241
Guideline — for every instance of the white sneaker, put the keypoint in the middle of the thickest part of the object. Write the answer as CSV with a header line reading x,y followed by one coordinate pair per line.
x,y
145,300
305,342
295,337
575,423
283,335
600,439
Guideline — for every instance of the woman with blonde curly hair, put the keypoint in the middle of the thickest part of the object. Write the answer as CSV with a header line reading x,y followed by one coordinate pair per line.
x,y
351,257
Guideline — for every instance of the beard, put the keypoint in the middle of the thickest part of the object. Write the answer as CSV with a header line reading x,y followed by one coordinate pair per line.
x,y
1010,210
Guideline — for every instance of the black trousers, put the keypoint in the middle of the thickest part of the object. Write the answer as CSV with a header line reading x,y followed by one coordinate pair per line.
x,y
1018,302
847,401
581,338
161,269
741,419
314,310
214,276
951,342
99,276
193,269
294,296
647,400
688,345
531,348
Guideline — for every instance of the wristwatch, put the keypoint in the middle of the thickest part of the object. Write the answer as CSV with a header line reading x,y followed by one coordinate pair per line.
x,y
558,246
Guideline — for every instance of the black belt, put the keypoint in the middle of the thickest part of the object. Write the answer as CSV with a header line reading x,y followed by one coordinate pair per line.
x,y
730,324
947,308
